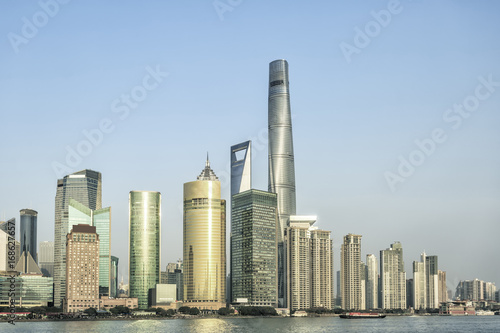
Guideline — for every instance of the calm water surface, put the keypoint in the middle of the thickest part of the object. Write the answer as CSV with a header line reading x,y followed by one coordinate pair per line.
x,y
484,324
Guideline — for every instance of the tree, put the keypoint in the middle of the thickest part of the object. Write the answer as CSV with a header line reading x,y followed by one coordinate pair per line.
x,y
223,311
170,312
184,309
194,311
90,311
38,310
120,309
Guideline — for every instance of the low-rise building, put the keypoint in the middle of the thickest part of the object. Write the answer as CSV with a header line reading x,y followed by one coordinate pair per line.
x,y
457,308
108,302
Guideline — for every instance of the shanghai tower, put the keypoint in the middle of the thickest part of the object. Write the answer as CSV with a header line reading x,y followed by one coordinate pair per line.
x,y
281,159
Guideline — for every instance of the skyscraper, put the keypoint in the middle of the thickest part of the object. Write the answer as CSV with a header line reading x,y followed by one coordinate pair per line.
x,y
393,277
297,244
85,187
309,265
101,219
82,269
241,167
442,289
204,242
371,282
431,270
144,244
350,258
322,287
29,233
113,276
46,258
426,282
281,158
254,267
241,181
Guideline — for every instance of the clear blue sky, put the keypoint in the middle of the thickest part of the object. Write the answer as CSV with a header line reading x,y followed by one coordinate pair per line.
x,y
352,120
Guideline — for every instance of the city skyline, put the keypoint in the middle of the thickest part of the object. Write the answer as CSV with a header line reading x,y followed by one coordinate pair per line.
x,y
351,121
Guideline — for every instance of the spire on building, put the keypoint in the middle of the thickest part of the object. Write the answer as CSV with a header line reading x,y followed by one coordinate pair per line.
x,y
207,173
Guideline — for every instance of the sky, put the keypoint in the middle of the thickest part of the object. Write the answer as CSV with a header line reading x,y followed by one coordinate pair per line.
x,y
395,113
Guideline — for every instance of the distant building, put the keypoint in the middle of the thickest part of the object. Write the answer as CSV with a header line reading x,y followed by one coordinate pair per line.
x,y
113,284
28,233
144,245
362,281
175,275
409,293
204,252
350,258
442,289
82,269
371,282
393,277
46,258
338,299
254,223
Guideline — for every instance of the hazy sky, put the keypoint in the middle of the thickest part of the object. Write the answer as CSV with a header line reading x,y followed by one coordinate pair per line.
x,y
368,80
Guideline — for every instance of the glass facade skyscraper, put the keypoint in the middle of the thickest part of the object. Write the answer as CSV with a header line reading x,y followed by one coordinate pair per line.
x,y
144,244
85,187
101,219
29,233
204,242
281,157
254,267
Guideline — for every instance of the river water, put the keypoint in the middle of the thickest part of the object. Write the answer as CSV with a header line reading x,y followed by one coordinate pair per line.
x,y
431,324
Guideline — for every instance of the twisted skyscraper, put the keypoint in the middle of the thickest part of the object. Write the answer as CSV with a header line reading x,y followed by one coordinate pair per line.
x,y
281,160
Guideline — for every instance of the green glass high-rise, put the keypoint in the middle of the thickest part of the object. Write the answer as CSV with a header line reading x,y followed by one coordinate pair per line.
x,y
254,266
144,244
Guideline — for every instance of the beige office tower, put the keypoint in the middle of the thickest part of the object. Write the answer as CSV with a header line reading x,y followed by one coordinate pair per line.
x,y
322,287
297,242
371,282
350,258
204,242
82,269
393,277
442,289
